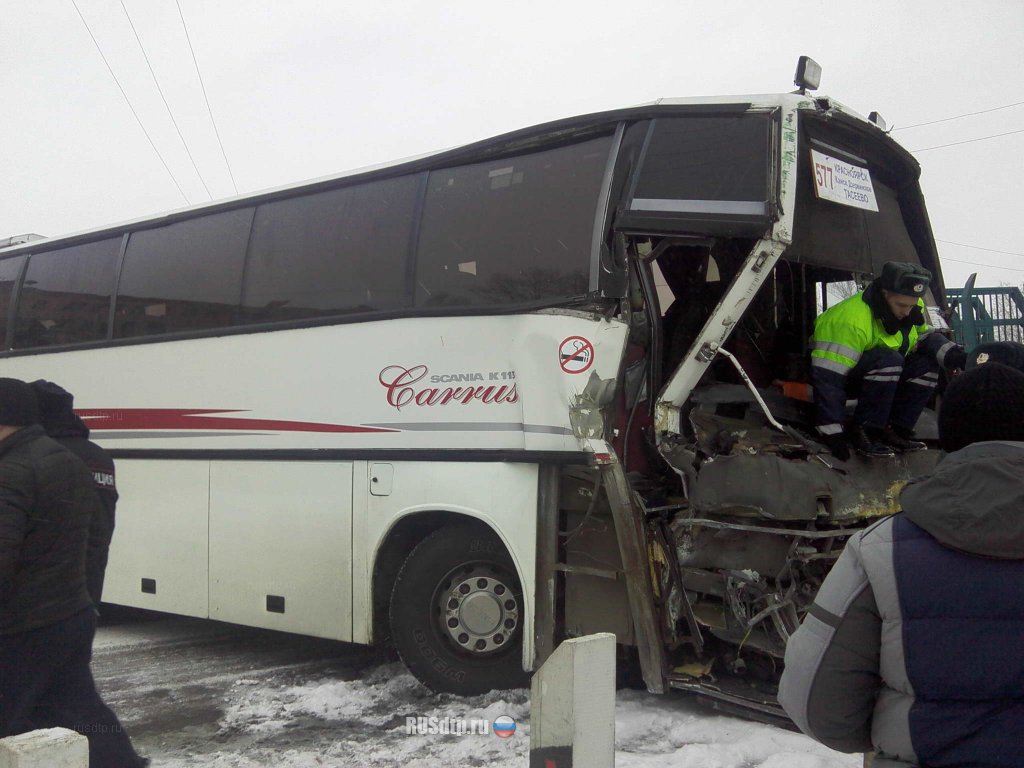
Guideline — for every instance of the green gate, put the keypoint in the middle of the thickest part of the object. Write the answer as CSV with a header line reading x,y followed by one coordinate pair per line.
x,y
986,314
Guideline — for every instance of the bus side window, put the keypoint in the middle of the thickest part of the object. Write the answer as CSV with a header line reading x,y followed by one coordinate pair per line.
x,y
512,230
65,298
182,277
451,285
10,269
343,250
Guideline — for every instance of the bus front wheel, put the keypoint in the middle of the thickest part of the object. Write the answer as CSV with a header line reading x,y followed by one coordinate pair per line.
x,y
457,612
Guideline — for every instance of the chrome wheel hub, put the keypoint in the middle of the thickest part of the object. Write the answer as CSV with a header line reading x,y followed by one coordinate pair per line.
x,y
480,612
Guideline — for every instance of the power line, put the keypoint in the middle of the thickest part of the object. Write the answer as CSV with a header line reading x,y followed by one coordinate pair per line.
x,y
129,103
164,99
979,248
978,264
957,117
969,141
207,98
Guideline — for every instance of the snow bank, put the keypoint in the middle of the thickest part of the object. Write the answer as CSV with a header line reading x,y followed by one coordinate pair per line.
x,y
674,731
332,723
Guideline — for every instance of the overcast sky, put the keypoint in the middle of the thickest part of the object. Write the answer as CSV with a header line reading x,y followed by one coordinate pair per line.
x,y
301,89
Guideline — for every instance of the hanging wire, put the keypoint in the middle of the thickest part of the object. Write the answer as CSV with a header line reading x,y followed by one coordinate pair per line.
x,y
979,248
167,106
957,117
207,98
979,264
129,103
969,141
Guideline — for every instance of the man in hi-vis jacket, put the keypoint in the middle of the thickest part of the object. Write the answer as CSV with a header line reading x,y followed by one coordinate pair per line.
x,y
913,646
877,346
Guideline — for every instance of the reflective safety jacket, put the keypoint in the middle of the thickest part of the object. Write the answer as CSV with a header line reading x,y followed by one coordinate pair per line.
x,y
842,334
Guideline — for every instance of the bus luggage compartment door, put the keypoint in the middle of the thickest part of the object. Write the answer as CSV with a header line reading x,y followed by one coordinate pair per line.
x,y
158,557
281,546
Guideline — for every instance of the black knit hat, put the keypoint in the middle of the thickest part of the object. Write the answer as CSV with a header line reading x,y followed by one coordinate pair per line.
x,y
1009,353
57,411
984,403
905,278
17,403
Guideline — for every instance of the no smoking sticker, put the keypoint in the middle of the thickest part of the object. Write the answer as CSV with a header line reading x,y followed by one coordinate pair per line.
x,y
575,354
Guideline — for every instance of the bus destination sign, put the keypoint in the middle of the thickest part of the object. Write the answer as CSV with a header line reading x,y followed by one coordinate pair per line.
x,y
843,183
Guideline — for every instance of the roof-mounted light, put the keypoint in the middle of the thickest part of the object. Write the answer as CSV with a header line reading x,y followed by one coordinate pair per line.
x,y
808,74
878,120
8,242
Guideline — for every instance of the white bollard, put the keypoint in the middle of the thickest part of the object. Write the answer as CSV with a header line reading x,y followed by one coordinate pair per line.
x,y
572,706
47,748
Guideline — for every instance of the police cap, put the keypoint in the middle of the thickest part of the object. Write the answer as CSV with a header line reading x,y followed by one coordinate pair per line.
x,y
905,278
1009,353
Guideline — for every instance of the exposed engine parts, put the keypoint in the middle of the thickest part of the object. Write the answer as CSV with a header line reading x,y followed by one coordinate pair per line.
x,y
767,513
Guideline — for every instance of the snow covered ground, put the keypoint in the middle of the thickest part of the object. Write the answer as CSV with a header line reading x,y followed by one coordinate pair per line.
x,y
363,723
197,693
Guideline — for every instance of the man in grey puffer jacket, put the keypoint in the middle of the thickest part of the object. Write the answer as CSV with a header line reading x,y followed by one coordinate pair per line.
x,y
913,646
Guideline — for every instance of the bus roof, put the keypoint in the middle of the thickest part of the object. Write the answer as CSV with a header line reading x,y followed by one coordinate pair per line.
x,y
425,161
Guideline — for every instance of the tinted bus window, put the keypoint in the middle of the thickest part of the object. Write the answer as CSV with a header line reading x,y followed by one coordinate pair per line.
x,y
704,174
9,271
339,251
183,277
513,230
707,158
65,298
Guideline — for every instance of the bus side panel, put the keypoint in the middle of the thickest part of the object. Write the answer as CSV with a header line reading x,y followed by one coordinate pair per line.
x,y
481,383
280,546
503,496
158,557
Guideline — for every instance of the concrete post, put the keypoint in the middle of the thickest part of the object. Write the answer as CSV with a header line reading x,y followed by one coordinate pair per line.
x,y
47,748
572,707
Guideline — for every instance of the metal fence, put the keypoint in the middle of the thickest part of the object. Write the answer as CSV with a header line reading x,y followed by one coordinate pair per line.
x,y
986,314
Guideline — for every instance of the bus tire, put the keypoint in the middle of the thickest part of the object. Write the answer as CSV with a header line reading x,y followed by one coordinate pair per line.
x,y
457,612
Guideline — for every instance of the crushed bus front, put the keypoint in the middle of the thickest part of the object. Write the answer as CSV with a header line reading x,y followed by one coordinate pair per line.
x,y
733,247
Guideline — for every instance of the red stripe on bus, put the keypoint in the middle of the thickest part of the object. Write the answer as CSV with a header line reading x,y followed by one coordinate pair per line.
x,y
197,418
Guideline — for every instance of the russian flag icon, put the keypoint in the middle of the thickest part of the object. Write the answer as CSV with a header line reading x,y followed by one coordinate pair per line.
x,y
503,726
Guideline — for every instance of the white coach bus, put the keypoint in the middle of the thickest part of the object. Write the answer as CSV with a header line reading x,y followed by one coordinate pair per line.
x,y
477,402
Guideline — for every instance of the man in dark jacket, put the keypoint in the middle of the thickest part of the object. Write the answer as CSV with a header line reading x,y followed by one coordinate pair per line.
x,y
57,416
47,621
912,647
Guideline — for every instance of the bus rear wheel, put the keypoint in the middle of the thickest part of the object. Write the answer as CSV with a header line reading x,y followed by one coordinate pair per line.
x,y
457,612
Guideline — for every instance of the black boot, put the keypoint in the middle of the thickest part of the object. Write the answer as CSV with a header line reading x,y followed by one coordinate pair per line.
x,y
899,438
865,445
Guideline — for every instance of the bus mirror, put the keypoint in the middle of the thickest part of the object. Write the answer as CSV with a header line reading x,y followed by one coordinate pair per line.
x,y
808,74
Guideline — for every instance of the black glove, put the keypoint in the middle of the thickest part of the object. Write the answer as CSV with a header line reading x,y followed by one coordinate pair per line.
x,y
837,445
955,359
